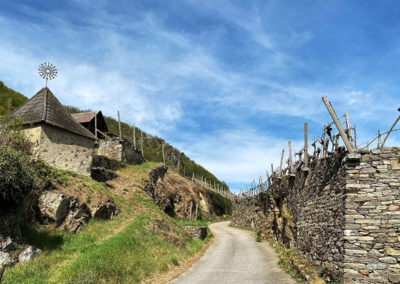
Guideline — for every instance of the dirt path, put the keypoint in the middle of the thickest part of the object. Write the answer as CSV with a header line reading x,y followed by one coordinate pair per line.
x,y
235,257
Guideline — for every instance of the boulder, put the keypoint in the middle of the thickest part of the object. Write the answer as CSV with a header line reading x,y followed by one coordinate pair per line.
x,y
6,259
196,232
102,174
28,253
54,206
106,210
78,215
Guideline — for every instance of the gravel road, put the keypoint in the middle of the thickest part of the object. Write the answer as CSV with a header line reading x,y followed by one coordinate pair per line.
x,y
235,257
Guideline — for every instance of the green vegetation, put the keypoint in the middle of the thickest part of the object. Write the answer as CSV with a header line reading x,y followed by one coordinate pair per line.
x,y
222,205
149,241
10,100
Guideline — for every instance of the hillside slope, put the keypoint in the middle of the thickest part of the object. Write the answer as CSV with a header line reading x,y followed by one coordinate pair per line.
x,y
11,100
150,241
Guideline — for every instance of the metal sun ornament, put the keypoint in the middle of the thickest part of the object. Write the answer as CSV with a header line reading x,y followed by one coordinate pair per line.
x,y
47,71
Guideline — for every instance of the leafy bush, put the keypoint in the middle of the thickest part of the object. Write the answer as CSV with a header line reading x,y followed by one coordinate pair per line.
x,y
17,174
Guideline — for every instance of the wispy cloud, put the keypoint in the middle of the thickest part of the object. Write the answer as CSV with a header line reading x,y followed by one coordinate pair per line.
x,y
227,83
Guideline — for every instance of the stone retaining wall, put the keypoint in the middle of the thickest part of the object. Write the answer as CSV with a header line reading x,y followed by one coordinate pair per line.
x,y
343,214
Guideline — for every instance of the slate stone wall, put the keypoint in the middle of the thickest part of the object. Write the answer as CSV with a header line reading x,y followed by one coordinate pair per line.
x,y
122,151
343,214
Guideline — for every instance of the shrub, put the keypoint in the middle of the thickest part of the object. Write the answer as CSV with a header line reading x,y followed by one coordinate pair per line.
x,y
17,174
220,204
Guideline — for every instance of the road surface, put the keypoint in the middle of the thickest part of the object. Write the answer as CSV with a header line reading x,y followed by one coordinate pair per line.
x,y
235,257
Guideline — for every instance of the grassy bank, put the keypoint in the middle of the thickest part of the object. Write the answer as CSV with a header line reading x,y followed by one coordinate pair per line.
x,y
142,241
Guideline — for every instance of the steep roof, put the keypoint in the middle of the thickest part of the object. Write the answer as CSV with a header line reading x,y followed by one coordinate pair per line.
x,y
45,108
83,117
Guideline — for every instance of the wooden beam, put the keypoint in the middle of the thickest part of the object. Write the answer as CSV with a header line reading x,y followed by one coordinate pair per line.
x,y
338,125
306,144
272,170
280,166
324,146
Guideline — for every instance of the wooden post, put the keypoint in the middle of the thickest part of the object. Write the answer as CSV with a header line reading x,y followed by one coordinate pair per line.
x,y
193,178
272,170
348,127
141,142
379,139
119,127
338,125
267,175
324,146
184,210
290,157
280,166
197,207
306,144
163,154
134,136
95,125
387,135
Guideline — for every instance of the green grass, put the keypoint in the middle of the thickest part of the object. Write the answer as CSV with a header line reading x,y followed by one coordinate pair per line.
x,y
123,250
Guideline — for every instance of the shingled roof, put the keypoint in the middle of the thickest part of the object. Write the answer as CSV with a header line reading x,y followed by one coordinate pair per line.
x,y
45,108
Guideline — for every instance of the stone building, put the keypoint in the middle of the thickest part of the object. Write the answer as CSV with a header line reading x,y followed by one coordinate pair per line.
x,y
57,138
94,121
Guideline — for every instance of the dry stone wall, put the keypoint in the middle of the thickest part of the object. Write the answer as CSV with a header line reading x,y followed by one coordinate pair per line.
x,y
122,151
343,214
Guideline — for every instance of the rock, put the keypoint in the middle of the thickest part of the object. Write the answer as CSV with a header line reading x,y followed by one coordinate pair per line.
x,y
393,207
394,278
196,232
28,253
102,174
54,206
6,259
79,215
6,244
106,210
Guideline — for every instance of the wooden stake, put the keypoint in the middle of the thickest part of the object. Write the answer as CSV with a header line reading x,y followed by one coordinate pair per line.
x,y
306,144
267,175
272,170
197,207
134,136
290,157
119,127
338,125
348,127
379,139
95,125
141,142
193,178
280,166
324,146
163,154
387,135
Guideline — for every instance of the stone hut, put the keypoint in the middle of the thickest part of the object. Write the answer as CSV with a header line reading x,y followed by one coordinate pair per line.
x,y
57,138
94,121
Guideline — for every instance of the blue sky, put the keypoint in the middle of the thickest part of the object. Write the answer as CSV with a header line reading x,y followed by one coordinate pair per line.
x,y
227,82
